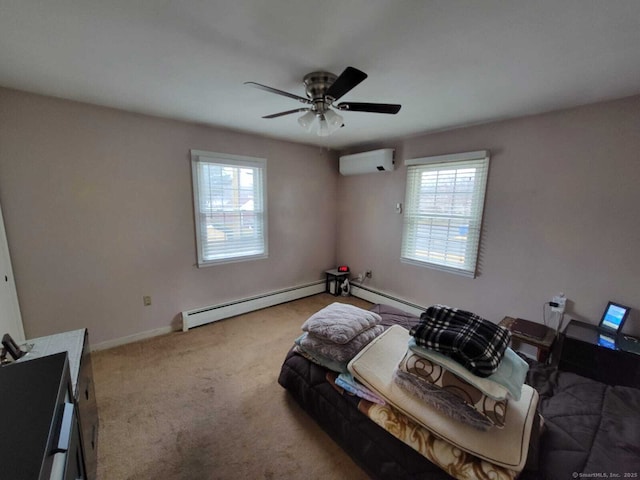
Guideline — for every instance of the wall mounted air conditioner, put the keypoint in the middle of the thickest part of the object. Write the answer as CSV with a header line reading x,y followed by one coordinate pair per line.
x,y
367,162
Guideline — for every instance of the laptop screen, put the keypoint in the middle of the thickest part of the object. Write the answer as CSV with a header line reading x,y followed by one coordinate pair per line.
x,y
614,317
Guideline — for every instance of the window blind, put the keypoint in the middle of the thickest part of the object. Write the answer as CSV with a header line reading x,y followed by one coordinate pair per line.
x,y
443,211
229,204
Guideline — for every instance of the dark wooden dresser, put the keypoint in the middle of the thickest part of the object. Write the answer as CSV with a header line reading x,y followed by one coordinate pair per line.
x,y
76,344
40,435
588,354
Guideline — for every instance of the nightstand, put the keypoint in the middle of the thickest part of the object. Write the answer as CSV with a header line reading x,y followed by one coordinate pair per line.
x,y
334,281
543,345
585,353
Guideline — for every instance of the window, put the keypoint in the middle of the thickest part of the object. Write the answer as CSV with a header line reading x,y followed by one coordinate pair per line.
x,y
229,196
443,211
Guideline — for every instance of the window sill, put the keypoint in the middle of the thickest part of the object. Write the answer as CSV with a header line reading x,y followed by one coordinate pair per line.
x,y
213,263
442,268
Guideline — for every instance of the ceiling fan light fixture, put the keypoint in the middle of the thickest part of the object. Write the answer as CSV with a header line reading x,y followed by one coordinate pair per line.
x,y
334,121
323,126
306,120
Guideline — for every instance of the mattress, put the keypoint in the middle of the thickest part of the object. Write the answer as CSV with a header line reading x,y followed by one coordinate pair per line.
x,y
590,427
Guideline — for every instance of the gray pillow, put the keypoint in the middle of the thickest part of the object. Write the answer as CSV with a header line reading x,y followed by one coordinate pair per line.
x,y
339,352
340,322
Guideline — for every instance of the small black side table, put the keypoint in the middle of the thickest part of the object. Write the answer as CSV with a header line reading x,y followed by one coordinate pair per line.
x,y
335,279
585,353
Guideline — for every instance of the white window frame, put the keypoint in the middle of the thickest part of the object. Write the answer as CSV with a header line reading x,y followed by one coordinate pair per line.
x,y
469,245
198,156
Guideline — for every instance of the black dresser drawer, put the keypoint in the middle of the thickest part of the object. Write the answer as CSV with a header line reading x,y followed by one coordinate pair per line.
x,y
74,464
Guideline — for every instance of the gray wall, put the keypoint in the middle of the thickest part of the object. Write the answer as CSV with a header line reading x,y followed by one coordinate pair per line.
x,y
99,212
560,216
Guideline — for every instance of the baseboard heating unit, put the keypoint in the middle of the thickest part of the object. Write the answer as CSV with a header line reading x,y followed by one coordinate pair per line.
x,y
376,296
213,313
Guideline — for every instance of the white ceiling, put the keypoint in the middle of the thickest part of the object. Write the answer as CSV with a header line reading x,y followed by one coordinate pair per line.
x,y
448,62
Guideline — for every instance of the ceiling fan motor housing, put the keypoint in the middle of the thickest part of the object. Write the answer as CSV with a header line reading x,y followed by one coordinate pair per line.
x,y
316,84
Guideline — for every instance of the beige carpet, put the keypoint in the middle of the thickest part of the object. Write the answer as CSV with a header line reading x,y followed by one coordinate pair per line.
x,y
205,404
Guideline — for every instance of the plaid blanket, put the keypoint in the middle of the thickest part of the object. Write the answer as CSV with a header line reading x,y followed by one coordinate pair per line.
x,y
472,341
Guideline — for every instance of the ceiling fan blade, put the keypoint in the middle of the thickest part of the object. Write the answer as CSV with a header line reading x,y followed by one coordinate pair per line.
x,y
345,82
370,107
275,115
278,92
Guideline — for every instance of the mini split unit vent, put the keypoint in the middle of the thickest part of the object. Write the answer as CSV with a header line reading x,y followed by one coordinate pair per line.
x,y
367,162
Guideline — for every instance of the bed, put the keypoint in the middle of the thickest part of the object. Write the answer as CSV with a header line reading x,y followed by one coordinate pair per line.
x,y
589,427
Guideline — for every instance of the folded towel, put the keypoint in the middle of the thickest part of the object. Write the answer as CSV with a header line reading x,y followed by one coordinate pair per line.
x,y
351,385
339,352
507,380
476,343
340,322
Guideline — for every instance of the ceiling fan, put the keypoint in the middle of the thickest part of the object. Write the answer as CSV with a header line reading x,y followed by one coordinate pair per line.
x,y
323,89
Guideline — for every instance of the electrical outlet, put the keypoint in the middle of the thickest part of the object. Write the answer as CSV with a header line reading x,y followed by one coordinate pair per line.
x,y
368,274
561,301
146,300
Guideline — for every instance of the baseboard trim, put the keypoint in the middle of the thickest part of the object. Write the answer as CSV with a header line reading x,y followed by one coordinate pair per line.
x,y
213,313
116,342
376,296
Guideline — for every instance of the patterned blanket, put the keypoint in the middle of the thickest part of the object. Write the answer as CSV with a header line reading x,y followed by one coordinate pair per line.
x,y
455,462
474,342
